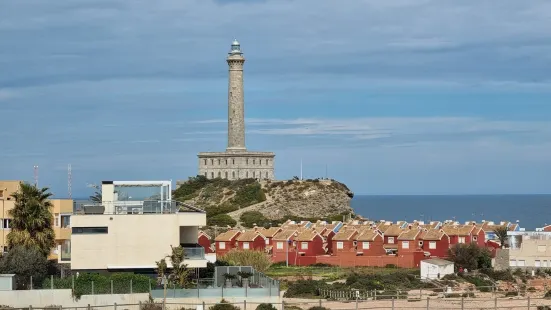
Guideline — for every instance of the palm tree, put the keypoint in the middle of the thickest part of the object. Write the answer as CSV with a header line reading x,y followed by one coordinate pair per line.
x,y
31,225
97,194
501,234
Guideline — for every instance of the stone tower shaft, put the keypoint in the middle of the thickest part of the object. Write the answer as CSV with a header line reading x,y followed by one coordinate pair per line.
x,y
236,100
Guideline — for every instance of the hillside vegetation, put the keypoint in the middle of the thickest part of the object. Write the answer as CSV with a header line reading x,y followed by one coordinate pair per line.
x,y
273,199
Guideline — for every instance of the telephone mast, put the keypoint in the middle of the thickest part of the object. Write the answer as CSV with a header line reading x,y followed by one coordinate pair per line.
x,y
69,181
36,176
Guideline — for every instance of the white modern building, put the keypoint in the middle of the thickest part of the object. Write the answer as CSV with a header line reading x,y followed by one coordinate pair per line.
x,y
134,226
436,268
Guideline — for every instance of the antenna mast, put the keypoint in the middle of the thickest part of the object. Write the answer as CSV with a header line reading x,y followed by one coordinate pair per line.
x,y
36,176
69,181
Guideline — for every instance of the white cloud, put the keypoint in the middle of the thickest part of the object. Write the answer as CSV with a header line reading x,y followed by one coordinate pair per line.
x,y
6,95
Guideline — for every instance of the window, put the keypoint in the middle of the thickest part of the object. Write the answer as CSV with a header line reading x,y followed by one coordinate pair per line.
x,y
245,245
205,161
233,174
267,162
541,248
432,245
222,245
247,174
266,174
56,219
226,173
512,263
475,238
247,161
304,245
233,161
212,175
219,162
205,174
212,162
219,174
65,221
365,245
461,240
5,249
254,175
89,230
226,162
521,263
545,264
6,224
1,194
259,175
260,162
279,245
391,240
405,244
340,245
254,161
537,263
267,241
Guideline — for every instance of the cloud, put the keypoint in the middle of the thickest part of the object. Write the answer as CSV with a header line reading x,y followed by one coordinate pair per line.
x,y
6,95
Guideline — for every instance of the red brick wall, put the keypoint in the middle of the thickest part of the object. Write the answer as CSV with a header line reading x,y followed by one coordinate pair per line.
x,y
205,243
258,244
375,247
315,247
229,245
347,247
442,247
395,239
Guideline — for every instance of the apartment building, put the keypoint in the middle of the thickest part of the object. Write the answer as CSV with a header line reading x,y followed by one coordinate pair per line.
x,y
61,211
135,225
529,249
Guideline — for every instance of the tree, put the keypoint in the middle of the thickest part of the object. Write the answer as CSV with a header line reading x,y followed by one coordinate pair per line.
x,y
266,307
31,225
470,256
179,273
501,234
221,220
250,218
223,305
25,262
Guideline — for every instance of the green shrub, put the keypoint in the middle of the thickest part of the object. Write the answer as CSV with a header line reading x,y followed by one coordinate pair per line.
x,y
498,275
248,195
221,209
249,218
305,289
257,259
547,294
223,305
318,308
266,307
512,294
102,284
188,189
221,220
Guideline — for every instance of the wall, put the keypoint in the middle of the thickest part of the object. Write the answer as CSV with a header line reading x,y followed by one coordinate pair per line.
x,y
530,252
258,244
432,271
347,247
239,165
442,247
205,243
43,298
501,261
136,241
375,247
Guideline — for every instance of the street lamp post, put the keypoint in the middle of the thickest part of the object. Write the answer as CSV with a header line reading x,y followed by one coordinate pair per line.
x,y
3,221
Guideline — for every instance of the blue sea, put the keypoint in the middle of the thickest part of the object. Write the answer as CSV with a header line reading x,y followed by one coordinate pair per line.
x,y
530,210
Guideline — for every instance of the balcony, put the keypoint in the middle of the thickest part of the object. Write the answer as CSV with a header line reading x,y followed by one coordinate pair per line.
x,y
193,251
134,207
62,233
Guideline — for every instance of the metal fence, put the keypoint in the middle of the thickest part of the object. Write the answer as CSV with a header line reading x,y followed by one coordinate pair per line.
x,y
392,304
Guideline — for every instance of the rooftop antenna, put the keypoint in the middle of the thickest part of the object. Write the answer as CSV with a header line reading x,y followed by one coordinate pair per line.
x,y
36,176
69,181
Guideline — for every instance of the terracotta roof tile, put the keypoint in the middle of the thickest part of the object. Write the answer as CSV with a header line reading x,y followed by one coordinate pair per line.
x,y
249,235
285,234
344,235
409,234
458,230
227,236
270,232
392,231
306,235
367,235
432,234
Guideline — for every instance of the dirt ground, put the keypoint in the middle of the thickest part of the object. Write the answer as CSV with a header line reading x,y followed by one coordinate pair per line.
x,y
438,303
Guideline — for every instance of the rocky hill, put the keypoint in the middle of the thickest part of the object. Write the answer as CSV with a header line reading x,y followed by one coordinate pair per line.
x,y
274,199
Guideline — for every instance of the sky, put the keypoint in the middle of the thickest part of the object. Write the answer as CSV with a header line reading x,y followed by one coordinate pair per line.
x,y
388,97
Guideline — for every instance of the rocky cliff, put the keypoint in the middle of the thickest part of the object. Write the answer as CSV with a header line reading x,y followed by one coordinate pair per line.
x,y
274,199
